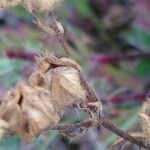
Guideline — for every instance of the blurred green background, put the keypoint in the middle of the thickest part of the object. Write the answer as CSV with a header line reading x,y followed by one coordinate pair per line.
x,y
110,39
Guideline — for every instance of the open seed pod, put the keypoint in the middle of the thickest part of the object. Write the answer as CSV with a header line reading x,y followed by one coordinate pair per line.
x,y
28,111
61,78
145,119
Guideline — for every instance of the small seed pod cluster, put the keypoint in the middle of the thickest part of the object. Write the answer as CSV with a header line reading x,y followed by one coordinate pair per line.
x,y
30,108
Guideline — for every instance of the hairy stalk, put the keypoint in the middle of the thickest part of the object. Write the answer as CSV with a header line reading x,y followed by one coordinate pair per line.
x,y
59,35
52,29
111,127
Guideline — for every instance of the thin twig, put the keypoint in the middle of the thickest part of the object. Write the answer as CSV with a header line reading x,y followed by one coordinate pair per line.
x,y
86,124
52,29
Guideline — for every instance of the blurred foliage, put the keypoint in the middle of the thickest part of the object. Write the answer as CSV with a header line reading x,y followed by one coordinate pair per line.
x,y
123,78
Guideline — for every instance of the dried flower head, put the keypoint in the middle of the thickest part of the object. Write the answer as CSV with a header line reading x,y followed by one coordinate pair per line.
x,y
28,111
61,78
145,119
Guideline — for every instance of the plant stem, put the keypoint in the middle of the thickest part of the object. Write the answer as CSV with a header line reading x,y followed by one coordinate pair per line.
x,y
105,123
59,35
111,127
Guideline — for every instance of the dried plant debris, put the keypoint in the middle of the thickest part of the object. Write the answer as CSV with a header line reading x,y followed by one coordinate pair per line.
x,y
28,111
32,107
40,5
61,78
145,119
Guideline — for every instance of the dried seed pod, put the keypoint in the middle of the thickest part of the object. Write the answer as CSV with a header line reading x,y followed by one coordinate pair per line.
x,y
145,120
28,111
40,5
61,78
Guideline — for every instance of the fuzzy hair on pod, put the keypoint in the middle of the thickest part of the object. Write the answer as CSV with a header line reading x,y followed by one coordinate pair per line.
x,y
28,111
145,119
61,78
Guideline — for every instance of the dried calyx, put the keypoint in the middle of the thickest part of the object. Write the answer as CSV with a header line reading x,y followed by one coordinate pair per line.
x,y
30,108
